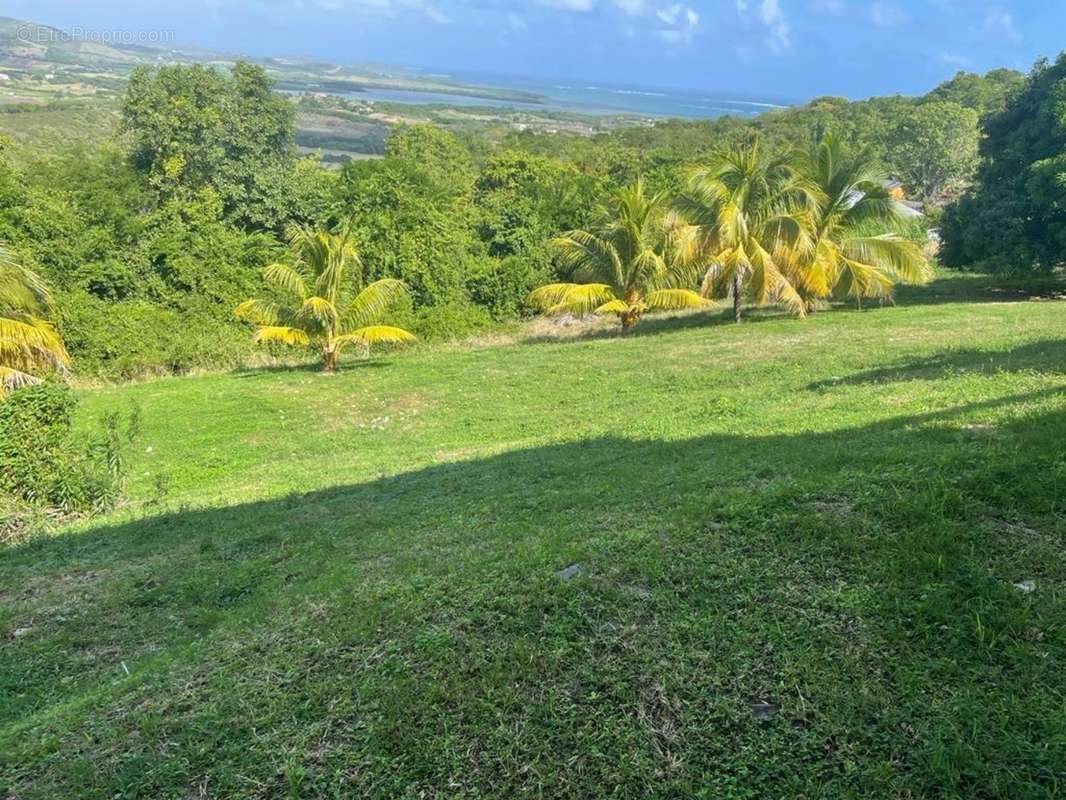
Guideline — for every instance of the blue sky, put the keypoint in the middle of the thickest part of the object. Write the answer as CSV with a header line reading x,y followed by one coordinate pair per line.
x,y
793,49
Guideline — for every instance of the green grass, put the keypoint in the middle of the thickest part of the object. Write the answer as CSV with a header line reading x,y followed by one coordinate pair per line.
x,y
344,586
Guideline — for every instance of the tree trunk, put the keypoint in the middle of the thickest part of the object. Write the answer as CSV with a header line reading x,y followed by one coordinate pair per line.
x,y
329,358
736,296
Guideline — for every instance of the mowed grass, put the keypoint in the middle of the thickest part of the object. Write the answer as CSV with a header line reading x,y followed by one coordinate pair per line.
x,y
798,544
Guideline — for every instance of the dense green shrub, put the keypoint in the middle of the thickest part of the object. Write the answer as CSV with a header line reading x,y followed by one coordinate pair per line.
x,y
43,464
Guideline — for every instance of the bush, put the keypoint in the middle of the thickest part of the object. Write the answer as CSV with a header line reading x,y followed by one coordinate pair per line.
x,y
44,466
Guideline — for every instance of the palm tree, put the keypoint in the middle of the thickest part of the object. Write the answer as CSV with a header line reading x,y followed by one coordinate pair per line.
x,y
856,252
333,311
625,266
751,219
28,341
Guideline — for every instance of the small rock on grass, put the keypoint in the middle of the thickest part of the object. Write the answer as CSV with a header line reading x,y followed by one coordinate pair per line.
x,y
569,573
1026,586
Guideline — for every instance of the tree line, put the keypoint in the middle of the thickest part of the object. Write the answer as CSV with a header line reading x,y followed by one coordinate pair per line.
x,y
149,241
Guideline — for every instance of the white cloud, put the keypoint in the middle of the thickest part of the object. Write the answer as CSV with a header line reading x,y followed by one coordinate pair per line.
x,y
681,23
515,22
954,60
999,24
885,15
769,13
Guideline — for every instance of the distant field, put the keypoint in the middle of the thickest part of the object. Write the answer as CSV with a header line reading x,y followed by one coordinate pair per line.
x,y
39,131
797,547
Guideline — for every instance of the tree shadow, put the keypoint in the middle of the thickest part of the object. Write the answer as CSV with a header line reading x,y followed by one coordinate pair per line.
x,y
314,367
976,288
1046,356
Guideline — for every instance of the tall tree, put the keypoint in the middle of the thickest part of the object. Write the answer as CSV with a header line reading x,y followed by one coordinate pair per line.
x,y
750,217
1014,217
334,308
932,148
624,266
857,251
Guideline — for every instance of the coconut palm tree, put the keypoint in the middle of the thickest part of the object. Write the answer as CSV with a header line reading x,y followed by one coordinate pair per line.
x,y
751,218
856,251
28,341
333,309
627,265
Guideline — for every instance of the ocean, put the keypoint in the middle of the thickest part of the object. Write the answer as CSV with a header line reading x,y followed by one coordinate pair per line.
x,y
586,98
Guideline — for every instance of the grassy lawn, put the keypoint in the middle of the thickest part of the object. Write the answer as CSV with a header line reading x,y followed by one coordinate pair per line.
x,y
797,546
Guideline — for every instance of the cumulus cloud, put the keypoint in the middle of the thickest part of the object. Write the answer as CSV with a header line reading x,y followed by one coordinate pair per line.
x,y
769,13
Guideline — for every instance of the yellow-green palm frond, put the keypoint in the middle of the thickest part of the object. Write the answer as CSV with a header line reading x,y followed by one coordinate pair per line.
x,y
11,379
287,278
767,284
373,301
28,342
616,306
320,311
282,334
572,298
263,312
375,334
588,257
890,253
677,300
862,280
21,289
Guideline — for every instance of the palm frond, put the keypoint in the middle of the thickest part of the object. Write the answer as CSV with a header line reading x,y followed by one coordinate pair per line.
x,y
287,278
375,334
676,300
613,307
373,301
283,334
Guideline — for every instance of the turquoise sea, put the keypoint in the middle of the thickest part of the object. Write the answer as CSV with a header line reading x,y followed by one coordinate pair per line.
x,y
587,98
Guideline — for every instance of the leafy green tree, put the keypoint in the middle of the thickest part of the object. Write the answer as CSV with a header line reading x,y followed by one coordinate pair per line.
x,y
986,94
626,265
334,308
749,214
932,148
29,343
1013,219
856,249
194,126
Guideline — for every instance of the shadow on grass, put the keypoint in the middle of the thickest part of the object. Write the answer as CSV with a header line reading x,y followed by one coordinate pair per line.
x,y
1046,356
315,367
418,618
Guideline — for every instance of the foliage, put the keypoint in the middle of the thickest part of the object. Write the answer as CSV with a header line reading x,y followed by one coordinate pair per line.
x,y
626,265
1013,220
29,342
195,127
933,148
750,220
335,307
856,250
44,464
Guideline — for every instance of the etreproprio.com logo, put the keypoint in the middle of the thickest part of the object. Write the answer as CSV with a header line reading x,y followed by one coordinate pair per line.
x,y
42,34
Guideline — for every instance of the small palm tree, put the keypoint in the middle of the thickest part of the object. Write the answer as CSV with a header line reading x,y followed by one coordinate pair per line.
x,y
856,251
28,341
333,310
751,221
627,265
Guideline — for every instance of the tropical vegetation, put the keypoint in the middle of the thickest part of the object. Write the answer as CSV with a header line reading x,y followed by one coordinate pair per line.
x,y
29,341
633,261
334,308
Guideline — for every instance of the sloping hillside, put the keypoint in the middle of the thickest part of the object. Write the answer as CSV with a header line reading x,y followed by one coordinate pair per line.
x,y
816,558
